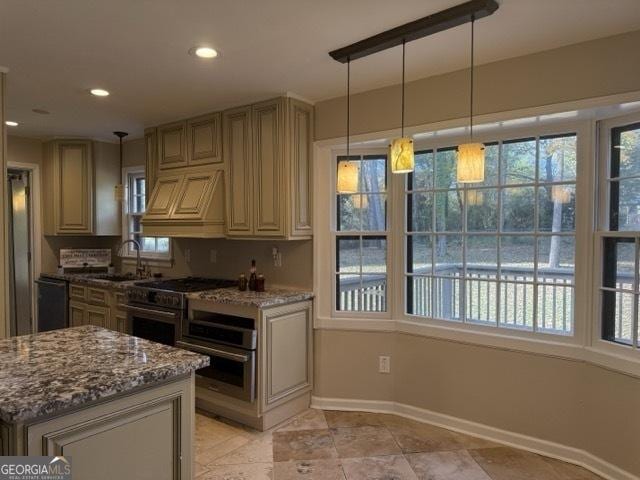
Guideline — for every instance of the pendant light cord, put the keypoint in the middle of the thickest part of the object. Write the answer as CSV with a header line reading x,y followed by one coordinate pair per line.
x,y
348,103
473,20
402,119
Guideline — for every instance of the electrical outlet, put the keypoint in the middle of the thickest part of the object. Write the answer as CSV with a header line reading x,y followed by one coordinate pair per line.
x,y
187,255
213,256
384,364
277,257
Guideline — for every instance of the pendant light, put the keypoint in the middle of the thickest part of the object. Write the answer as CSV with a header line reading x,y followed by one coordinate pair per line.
x,y
401,149
347,181
470,167
118,192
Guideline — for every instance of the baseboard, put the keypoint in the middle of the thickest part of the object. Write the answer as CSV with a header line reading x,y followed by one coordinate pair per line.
x,y
524,442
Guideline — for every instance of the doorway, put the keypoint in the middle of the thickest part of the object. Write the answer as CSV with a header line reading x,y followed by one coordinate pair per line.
x,y
21,320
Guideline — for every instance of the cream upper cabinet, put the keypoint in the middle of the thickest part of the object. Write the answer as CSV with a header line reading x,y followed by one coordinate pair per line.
x,y
151,158
194,195
205,142
238,157
77,177
192,142
268,165
269,194
172,145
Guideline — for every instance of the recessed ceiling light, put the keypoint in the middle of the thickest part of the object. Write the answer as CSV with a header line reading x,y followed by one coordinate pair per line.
x,y
204,52
99,92
10,123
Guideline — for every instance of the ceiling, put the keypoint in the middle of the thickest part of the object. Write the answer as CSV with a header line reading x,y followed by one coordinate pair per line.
x,y
56,50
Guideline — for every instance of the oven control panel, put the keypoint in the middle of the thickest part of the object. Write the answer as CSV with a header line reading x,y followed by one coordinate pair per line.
x,y
153,297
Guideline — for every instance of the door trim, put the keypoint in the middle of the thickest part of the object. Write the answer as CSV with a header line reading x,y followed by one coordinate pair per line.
x,y
36,230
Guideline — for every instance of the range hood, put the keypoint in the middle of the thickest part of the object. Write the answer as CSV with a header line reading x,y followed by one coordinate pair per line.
x,y
186,205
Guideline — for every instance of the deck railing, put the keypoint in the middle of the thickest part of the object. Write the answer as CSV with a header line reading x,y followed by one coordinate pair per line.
x,y
440,296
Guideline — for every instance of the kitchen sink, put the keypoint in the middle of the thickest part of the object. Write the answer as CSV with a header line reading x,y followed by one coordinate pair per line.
x,y
115,277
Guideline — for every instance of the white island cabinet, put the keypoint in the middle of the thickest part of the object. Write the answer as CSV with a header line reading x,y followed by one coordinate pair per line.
x,y
117,406
277,372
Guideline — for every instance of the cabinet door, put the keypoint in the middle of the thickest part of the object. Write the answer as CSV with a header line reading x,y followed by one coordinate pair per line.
x,y
268,139
300,169
238,159
163,196
77,313
287,351
151,159
73,188
205,143
195,195
98,316
172,145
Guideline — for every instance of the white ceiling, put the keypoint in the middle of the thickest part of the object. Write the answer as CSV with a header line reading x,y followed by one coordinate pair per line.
x,y
137,49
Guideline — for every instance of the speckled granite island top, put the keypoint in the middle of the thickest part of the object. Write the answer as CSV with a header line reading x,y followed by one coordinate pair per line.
x,y
50,372
270,298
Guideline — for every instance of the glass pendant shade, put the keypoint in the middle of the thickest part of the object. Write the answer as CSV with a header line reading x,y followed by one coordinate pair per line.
x,y
347,177
470,168
401,155
560,194
360,201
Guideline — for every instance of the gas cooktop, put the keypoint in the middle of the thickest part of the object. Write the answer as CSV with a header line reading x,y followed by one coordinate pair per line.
x,y
187,284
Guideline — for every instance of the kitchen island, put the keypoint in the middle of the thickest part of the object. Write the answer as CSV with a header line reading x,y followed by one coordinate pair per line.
x,y
119,406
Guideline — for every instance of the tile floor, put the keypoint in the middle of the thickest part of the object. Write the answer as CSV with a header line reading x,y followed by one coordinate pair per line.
x,y
329,445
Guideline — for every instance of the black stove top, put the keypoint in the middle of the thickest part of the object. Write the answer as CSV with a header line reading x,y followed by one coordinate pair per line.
x,y
188,284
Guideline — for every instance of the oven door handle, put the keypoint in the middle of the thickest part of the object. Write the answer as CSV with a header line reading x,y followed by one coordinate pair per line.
x,y
214,351
149,311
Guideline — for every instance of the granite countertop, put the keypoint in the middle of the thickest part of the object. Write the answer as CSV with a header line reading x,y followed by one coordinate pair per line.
x,y
99,280
270,298
49,372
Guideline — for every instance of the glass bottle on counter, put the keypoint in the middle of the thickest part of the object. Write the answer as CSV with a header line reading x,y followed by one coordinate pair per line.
x,y
252,276
242,282
260,283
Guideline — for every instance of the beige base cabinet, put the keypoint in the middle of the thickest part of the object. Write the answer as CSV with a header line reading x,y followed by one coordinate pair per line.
x,y
142,435
267,152
97,306
79,175
284,365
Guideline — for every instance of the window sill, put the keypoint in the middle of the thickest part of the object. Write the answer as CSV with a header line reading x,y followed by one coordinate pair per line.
x,y
150,261
563,347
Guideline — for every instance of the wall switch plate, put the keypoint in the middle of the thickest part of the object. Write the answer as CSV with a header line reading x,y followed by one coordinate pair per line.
x,y
384,364
213,256
187,255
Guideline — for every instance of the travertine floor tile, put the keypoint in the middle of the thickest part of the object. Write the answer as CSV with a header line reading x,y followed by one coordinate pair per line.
x,y
419,437
303,445
251,471
309,470
312,419
454,465
505,463
568,471
390,467
337,419
207,454
255,451
364,442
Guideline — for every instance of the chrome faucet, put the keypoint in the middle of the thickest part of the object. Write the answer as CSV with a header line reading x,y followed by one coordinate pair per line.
x,y
140,270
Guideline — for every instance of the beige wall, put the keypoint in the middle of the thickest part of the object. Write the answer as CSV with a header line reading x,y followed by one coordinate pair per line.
x,y
24,150
575,72
563,401
4,272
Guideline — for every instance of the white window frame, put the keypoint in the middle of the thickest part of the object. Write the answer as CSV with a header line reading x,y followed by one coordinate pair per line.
x,y
536,234
335,233
602,232
129,254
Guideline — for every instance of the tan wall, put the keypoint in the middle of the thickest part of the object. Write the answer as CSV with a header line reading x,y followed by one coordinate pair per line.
x,y
559,400
4,272
575,72
24,150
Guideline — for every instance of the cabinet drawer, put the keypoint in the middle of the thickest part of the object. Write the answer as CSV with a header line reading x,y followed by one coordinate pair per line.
x,y
98,316
121,298
97,296
77,292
